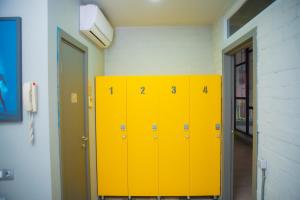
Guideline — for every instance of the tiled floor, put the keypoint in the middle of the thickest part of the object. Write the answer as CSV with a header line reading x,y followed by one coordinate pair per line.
x,y
150,198
242,169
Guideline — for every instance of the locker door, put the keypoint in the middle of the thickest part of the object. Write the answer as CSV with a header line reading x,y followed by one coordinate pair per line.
x,y
111,136
142,117
205,114
173,138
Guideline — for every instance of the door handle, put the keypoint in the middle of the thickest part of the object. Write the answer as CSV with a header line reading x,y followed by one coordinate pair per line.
x,y
83,138
124,137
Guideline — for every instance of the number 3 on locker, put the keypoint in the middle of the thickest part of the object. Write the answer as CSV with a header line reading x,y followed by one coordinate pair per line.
x,y
173,89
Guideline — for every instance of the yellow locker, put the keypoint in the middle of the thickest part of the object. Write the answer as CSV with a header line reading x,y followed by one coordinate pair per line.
x,y
142,117
173,136
111,136
205,119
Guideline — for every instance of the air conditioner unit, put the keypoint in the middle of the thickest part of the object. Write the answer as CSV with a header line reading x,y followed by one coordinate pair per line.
x,y
95,26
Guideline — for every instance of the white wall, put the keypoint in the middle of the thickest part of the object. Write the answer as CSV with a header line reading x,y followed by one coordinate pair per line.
x,y
160,50
65,15
31,164
278,98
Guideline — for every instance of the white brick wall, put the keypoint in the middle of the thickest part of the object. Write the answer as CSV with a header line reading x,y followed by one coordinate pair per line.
x,y
278,98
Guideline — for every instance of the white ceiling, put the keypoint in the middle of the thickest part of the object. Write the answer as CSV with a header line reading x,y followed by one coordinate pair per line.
x,y
161,12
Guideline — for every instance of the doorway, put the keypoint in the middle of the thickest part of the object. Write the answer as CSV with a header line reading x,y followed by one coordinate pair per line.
x,y
72,72
239,155
243,122
243,92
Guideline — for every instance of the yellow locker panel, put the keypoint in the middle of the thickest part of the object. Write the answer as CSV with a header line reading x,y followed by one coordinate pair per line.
x,y
173,136
111,136
142,117
205,122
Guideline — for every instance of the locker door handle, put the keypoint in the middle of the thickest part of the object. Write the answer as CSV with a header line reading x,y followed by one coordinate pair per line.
x,y
186,127
218,127
123,127
187,136
124,137
154,127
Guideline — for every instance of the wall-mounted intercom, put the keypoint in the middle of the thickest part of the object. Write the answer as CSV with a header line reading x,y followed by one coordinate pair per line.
x,y
30,96
30,105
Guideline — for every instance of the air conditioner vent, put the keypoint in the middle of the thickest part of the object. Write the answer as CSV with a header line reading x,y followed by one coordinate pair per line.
x,y
95,25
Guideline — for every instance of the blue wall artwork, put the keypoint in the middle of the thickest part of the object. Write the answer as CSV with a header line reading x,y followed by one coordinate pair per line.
x,y
10,70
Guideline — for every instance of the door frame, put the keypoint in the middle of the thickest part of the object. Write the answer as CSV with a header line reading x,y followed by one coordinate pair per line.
x,y
228,115
62,36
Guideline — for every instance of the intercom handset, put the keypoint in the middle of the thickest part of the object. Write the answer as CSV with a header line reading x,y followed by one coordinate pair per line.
x,y
30,96
30,105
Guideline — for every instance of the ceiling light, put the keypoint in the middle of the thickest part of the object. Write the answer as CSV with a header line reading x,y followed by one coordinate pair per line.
x,y
154,1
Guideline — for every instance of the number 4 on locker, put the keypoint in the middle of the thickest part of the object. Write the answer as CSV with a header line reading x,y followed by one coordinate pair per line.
x,y
205,89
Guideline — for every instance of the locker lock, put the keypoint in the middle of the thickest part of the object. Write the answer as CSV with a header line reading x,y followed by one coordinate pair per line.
x,y
186,127
154,127
218,127
123,127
